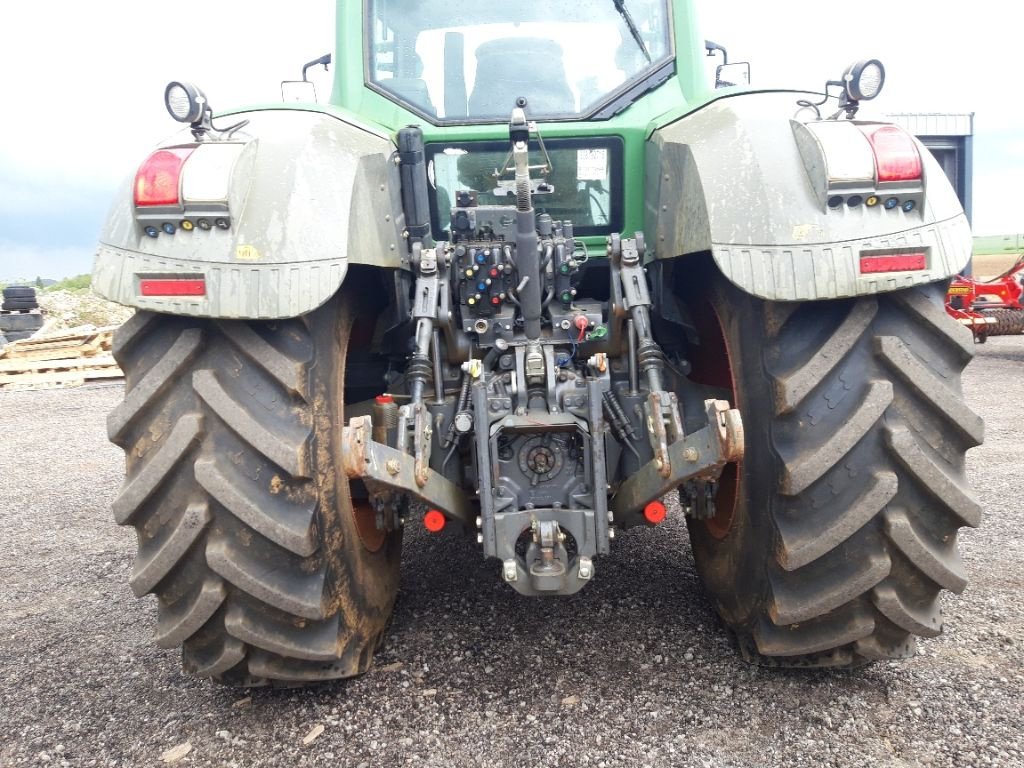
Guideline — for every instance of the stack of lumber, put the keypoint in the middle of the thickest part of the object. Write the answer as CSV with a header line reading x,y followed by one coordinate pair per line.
x,y
61,359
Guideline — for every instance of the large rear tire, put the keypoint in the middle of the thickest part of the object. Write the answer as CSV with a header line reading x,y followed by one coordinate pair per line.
x,y
264,569
833,540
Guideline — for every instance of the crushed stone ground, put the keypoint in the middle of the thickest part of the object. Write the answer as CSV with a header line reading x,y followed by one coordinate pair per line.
x,y
633,671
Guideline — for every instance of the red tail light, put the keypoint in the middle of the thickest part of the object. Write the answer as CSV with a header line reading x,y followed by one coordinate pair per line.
x,y
158,180
896,155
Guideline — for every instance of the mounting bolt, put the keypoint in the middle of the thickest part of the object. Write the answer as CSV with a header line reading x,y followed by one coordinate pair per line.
x,y
479,538
393,467
611,533
479,522
509,571
691,454
611,516
586,569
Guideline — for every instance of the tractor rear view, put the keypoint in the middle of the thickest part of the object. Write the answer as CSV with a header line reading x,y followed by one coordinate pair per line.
x,y
528,276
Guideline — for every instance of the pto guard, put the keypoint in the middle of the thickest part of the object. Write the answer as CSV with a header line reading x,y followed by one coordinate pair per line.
x,y
307,194
752,192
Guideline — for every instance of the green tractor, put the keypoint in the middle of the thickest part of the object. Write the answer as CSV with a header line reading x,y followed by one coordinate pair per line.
x,y
530,275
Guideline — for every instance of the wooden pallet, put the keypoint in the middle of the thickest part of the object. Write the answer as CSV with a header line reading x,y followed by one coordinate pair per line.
x,y
66,359
60,346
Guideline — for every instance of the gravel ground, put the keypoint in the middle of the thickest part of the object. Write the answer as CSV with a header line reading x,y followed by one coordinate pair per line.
x,y
635,670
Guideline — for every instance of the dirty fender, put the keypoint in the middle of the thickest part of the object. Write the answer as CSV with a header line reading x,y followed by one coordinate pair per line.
x,y
310,194
730,179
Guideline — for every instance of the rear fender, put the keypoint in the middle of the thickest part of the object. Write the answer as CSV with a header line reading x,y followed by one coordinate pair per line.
x,y
731,179
309,194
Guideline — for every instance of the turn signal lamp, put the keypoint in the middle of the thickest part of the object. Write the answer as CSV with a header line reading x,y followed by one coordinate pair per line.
x,y
851,163
208,173
187,187
847,155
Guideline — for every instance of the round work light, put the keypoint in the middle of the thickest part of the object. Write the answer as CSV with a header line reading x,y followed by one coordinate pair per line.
x,y
864,79
184,102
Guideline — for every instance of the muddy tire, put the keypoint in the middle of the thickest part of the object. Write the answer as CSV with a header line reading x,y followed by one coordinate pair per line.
x,y
832,542
265,570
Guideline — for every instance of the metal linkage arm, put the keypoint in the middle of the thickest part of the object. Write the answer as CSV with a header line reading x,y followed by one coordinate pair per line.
x,y
701,454
384,469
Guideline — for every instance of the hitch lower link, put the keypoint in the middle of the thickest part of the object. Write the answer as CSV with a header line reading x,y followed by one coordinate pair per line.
x,y
678,458
700,455
384,470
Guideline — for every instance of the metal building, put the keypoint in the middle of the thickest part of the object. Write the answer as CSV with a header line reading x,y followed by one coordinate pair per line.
x,y
950,138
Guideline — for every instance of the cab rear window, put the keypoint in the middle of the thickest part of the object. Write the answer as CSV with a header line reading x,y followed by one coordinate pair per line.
x,y
471,62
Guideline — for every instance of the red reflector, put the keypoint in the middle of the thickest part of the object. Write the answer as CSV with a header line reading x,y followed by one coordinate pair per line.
x,y
384,399
434,521
158,287
900,262
158,179
896,155
654,512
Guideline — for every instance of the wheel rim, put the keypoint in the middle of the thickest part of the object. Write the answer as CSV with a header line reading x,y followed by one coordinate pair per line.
x,y
712,365
357,329
365,517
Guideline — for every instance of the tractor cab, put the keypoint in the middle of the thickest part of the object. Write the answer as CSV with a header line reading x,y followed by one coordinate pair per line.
x,y
476,65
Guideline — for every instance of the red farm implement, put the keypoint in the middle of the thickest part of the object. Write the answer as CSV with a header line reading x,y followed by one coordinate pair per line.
x,y
988,307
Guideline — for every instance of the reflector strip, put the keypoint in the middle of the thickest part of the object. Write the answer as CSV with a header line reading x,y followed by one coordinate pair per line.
x,y
157,180
897,262
172,287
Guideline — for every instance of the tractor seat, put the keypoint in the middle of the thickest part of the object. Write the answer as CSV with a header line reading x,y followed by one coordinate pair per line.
x,y
412,89
530,67
409,85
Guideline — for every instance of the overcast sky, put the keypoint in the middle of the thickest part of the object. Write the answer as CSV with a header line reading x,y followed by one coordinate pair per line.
x,y
83,90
